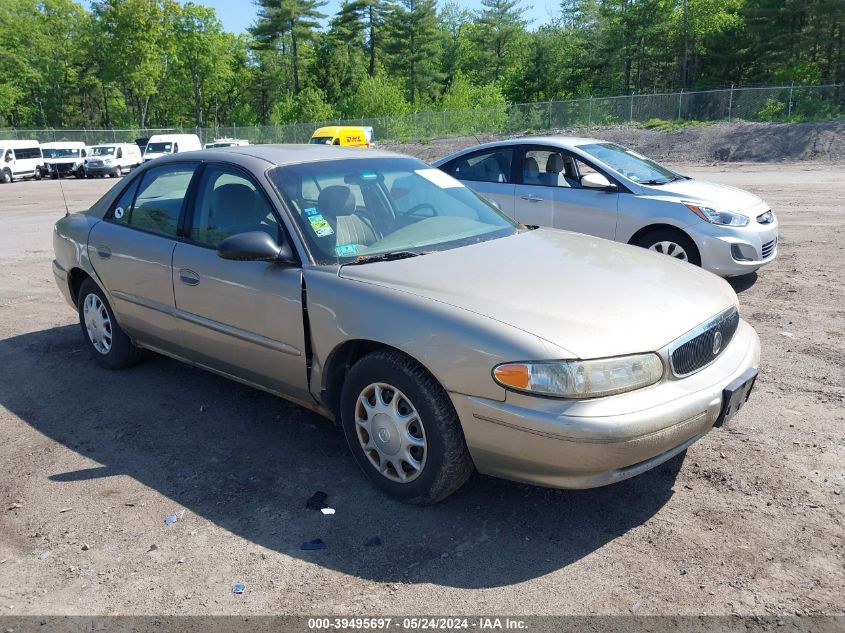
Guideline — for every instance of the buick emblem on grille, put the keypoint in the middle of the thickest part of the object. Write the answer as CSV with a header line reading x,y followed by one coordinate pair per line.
x,y
717,342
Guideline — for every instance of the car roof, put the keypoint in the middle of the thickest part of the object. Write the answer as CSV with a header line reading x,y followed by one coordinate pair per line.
x,y
285,154
565,142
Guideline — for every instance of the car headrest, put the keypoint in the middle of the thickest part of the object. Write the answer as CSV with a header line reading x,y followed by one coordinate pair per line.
x,y
554,164
233,204
530,168
336,200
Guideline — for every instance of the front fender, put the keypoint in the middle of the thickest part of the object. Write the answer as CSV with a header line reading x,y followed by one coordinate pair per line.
x,y
458,347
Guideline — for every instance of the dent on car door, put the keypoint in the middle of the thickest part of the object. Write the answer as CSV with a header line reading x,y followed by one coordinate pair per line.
x,y
132,252
489,173
243,318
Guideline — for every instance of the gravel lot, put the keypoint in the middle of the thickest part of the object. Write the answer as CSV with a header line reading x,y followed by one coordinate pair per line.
x,y
749,521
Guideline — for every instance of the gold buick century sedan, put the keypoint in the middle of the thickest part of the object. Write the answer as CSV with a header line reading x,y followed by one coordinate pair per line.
x,y
385,295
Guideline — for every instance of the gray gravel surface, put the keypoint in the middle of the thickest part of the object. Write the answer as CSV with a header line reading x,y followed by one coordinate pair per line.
x,y
749,521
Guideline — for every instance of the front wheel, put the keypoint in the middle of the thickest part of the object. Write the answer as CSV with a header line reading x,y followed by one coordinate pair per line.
x,y
671,242
37,174
402,429
6,177
109,344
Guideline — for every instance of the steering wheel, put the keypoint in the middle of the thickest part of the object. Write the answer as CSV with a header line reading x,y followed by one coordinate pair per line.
x,y
414,210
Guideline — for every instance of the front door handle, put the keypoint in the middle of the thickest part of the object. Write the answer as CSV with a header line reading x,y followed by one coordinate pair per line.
x,y
189,277
103,251
532,198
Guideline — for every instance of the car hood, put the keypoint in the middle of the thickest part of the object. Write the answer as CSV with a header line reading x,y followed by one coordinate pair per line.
x,y
719,196
589,296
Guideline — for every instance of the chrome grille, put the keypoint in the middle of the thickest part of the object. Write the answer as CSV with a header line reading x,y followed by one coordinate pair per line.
x,y
704,344
768,247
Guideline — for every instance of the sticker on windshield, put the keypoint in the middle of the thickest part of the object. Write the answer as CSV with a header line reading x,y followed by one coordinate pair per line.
x,y
310,211
320,226
346,250
118,213
439,178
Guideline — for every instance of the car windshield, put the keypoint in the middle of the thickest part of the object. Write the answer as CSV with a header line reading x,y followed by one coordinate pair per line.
x,y
321,140
356,209
630,164
60,153
102,151
159,148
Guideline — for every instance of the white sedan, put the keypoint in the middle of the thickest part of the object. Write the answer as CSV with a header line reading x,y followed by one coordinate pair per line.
x,y
603,189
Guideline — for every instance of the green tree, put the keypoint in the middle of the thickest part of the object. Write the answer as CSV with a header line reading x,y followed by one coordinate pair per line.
x,y
415,48
500,24
376,96
294,21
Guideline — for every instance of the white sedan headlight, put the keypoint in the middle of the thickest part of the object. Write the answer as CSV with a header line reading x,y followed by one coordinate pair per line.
x,y
581,378
724,218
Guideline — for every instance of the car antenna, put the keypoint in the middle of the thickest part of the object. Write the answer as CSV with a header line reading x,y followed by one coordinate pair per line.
x,y
62,189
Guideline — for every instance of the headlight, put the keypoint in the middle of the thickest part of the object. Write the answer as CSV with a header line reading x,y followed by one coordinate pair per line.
x,y
724,218
581,378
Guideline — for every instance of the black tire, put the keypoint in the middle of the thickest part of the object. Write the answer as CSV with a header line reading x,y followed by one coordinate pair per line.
x,y
122,352
6,177
37,175
447,463
675,236
54,176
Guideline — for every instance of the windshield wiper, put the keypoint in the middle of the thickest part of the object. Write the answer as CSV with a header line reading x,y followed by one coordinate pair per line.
x,y
383,257
663,182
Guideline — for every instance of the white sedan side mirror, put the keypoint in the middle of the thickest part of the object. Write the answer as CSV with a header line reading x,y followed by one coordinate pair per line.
x,y
596,180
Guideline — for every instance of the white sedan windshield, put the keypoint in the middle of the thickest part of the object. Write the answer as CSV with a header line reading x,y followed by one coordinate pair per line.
x,y
630,164
348,209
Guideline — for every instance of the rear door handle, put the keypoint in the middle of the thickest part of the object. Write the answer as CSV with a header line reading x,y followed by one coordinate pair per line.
x,y
189,277
103,251
532,198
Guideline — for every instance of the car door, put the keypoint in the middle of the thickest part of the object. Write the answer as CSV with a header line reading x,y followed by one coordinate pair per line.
x,y
132,253
242,318
489,172
550,193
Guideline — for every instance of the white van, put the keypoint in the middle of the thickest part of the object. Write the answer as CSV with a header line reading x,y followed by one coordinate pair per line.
x,y
163,144
227,142
112,159
20,159
64,158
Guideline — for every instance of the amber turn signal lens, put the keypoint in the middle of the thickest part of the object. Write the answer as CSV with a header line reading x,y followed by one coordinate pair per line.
x,y
513,375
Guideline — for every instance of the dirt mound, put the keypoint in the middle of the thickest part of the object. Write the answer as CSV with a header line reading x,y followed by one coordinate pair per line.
x,y
722,142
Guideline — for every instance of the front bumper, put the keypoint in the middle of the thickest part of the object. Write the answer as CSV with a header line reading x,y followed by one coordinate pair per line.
x,y
590,443
105,170
756,244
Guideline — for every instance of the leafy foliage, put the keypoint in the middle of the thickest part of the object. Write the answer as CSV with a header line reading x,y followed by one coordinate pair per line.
x,y
136,63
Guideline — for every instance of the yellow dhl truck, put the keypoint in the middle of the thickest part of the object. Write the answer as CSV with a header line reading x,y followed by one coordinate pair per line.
x,y
348,135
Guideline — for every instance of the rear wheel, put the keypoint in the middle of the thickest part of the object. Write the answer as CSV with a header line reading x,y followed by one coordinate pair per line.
x,y
402,429
6,176
671,242
108,343
37,175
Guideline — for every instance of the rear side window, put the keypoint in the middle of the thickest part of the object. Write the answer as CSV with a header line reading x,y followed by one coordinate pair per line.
x,y
155,204
493,166
25,153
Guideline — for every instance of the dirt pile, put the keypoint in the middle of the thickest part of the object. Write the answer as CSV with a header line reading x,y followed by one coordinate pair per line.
x,y
720,142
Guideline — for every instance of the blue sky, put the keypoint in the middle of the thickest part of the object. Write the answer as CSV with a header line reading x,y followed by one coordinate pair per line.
x,y
238,15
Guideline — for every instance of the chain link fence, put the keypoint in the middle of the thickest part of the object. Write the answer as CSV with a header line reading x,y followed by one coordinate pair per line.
x,y
775,104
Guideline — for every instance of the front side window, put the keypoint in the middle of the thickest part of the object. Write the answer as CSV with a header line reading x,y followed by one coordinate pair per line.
x,y
228,203
549,167
159,199
630,164
374,206
492,166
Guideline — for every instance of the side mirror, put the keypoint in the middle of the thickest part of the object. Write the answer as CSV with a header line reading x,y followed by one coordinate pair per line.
x,y
596,180
255,246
